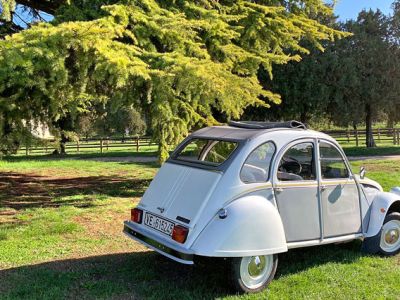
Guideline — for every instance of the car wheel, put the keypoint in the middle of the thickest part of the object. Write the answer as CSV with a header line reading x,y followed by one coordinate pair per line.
x,y
252,274
390,235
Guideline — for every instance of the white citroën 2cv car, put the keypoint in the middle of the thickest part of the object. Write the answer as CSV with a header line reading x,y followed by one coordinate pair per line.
x,y
249,191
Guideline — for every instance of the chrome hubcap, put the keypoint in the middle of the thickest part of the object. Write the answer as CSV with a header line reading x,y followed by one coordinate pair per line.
x,y
390,238
255,270
256,265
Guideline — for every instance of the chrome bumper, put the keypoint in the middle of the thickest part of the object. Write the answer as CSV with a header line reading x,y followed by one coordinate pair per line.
x,y
165,248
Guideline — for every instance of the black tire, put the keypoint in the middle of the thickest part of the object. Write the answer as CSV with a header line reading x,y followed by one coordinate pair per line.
x,y
240,284
393,217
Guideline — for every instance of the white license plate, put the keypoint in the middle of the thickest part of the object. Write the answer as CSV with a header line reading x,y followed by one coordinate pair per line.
x,y
158,223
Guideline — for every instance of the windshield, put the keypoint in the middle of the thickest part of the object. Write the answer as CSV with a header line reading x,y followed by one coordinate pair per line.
x,y
206,151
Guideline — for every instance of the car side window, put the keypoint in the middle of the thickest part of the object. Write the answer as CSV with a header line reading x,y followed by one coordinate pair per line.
x,y
298,163
332,163
257,165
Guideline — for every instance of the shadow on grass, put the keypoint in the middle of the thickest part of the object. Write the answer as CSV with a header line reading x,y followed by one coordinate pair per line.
x,y
21,191
144,275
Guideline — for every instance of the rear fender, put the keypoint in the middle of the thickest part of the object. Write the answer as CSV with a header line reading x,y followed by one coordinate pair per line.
x,y
252,227
379,208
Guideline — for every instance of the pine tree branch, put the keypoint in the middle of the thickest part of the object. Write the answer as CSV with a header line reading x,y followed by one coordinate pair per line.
x,y
7,28
44,5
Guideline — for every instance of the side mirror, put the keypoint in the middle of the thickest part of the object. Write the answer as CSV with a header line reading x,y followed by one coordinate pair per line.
x,y
362,172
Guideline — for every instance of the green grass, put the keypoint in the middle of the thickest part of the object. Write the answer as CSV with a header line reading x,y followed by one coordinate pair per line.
x,y
376,151
60,237
386,172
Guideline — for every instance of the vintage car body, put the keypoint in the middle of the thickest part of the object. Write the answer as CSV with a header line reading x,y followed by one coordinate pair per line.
x,y
253,205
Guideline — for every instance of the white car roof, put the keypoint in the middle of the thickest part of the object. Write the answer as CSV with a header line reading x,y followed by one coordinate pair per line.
x,y
243,134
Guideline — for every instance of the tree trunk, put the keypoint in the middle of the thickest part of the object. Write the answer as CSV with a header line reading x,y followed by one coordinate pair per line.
x,y
10,146
390,126
63,142
369,138
303,117
356,133
390,123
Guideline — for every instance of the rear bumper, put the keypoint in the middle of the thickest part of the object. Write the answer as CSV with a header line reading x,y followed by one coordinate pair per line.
x,y
163,247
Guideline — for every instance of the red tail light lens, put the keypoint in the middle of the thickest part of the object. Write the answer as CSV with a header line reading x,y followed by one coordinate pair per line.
x,y
136,215
180,233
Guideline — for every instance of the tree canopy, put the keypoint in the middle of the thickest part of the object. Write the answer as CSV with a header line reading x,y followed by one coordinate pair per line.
x,y
354,82
176,61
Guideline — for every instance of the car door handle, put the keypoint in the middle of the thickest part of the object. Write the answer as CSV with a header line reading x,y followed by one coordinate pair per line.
x,y
279,190
322,188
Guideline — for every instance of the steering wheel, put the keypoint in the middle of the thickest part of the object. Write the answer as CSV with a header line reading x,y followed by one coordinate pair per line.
x,y
291,166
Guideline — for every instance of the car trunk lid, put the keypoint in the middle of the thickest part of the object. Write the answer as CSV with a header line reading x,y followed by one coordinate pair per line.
x,y
180,193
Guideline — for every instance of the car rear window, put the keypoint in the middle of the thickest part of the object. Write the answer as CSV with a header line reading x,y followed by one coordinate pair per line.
x,y
206,151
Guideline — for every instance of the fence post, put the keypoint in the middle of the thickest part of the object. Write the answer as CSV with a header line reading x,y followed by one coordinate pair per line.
x,y
26,149
77,146
46,148
107,142
379,134
356,132
394,136
398,137
137,143
348,135
101,145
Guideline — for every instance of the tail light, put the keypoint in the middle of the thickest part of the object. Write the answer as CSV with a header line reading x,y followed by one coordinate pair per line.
x,y
136,215
180,233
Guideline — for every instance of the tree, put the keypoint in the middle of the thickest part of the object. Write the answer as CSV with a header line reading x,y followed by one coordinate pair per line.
x,y
366,61
393,109
128,120
106,121
305,94
354,81
302,86
85,125
109,120
177,61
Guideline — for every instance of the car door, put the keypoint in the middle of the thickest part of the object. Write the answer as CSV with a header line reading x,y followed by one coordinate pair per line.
x,y
339,193
296,191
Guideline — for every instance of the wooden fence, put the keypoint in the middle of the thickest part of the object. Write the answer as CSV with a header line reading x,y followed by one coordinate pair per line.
x,y
96,144
357,137
381,135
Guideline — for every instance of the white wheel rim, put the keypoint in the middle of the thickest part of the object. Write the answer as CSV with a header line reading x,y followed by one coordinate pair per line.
x,y
390,236
255,270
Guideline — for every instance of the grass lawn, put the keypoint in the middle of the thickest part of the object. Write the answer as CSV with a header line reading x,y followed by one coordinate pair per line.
x,y
376,151
60,237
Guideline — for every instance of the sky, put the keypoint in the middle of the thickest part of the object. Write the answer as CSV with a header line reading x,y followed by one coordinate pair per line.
x,y
24,15
349,9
